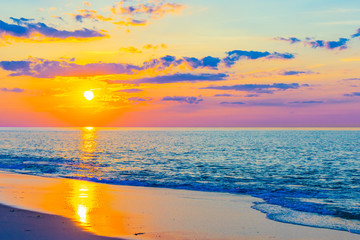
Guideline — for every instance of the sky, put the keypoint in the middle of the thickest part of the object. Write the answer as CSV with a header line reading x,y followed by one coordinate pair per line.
x,y
180,63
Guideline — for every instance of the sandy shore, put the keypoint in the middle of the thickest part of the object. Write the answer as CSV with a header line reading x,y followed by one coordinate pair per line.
x,y
18,224
73,209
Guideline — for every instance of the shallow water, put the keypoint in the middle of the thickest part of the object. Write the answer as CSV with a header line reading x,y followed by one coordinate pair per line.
x,y
308,177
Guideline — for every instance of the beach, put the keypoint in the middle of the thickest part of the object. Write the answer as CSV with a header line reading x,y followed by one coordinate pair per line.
x,y
58,208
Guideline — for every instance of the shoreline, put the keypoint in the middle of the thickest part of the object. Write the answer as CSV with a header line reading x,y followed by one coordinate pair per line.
x,y
25,224
127,212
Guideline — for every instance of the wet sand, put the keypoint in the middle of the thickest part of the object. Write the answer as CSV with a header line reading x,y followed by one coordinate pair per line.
x,y
74,209
18,224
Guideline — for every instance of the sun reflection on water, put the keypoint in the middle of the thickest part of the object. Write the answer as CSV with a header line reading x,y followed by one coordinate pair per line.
x,y
89,153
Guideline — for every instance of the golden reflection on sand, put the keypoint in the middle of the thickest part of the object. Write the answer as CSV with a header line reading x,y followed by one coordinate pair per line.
x,y
82,200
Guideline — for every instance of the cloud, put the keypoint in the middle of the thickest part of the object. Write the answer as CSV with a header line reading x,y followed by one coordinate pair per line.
x,y
307,102
340,44
41,68
152,9
178,77
131,90
236,55
25,29
130,49
131,22
130,13
19,21
15,90
223,95
137,99
189,100
210,62
291,40
206,62
232,103
194,63
354,94
154,47
352,79
292,73
89,14
357,34
15,65
252,95
259,88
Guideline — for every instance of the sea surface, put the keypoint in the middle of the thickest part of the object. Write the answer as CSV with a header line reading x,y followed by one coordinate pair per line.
x,y
303,176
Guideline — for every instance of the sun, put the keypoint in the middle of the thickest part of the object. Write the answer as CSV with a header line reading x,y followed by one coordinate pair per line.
x,y
89,95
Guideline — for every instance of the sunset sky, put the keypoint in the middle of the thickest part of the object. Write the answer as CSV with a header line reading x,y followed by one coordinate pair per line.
x,y
229,63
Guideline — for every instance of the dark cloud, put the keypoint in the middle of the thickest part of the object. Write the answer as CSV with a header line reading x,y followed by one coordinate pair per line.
x,y
291,73
354,94
307,102
352,79
41,68
236,55
24,28
340,44
190,100
291,40
223,95
15,65
15,90
233,103
267,104
19,21
182,77
167,61
137,99
357,34
259,88
210,62
131,90
252,95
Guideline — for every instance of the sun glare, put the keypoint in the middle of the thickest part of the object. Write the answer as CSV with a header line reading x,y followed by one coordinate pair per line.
x,y
89,95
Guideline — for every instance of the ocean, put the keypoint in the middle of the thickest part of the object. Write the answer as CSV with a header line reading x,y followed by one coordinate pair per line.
x,y
303,176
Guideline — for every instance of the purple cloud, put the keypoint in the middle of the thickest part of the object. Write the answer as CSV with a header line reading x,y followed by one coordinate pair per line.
x,y
24,28
232,103
259,88
189,100
357,34
137,99
180,77
132,90
167,61
291,40
340,44
41,68
223,95
291,73
354,94
15,90
236,55
308,102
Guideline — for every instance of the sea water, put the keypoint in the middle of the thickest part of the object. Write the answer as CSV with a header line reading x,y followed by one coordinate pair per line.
x,y
308,177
